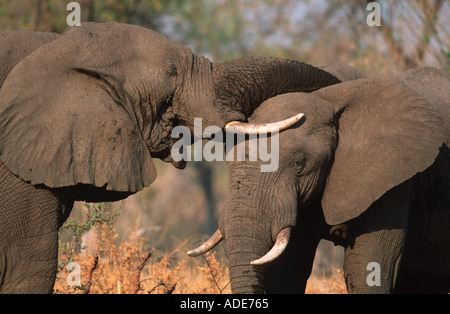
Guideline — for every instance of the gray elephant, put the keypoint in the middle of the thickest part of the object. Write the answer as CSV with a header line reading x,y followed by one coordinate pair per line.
x,y
82,116
367,167
17,45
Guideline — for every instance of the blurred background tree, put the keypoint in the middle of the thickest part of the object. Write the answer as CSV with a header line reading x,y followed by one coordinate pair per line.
x,y
412,32
183,204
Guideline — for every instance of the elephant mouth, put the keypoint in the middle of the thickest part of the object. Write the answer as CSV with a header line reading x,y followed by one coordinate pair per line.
x,y
167,157
179,164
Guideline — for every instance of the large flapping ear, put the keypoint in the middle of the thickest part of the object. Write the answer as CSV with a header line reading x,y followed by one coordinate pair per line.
x,y
63,123
387,134
433,85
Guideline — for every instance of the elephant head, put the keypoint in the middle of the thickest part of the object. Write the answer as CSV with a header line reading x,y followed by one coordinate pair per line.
x,y
92,107
356,141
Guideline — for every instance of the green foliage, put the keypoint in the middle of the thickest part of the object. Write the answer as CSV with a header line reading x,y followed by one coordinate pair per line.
x,y
50,15
215,28
96,214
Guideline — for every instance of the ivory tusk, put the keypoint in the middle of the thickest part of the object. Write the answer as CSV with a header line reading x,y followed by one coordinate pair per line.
x,y
278,248
215,239
264,128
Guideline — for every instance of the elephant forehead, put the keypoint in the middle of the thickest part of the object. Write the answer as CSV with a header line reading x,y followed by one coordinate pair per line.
x,y
317,111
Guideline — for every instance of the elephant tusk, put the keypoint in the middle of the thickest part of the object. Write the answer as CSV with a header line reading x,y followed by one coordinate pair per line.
x,y
215,239
264,128
280,245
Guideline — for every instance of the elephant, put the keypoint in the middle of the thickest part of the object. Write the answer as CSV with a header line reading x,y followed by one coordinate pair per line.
x,y
17,45
367,167
83,113
344,72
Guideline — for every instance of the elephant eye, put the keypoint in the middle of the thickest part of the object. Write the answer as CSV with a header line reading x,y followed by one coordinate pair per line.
x,y
171,68
298,162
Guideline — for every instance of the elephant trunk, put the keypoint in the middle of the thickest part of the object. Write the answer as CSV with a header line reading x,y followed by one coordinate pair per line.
x,y
221,92
256,216
243,244
243,84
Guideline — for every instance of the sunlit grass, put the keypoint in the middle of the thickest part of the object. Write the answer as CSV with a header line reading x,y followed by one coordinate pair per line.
x,y
171,272
127,262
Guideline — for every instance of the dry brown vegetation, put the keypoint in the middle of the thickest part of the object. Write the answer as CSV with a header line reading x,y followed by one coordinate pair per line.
x,y
133,267
117,269
333,284
113,233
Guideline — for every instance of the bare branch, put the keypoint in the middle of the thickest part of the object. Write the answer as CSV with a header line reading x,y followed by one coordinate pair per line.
x,y
397,51
170,289
91,270
136,285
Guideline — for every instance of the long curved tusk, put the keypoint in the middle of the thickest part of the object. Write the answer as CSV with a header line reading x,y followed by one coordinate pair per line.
x,y
264,128
215,239
280,245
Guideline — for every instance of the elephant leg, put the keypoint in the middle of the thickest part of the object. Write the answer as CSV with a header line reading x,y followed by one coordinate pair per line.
x,y
29,220
372,258
29,267
426,262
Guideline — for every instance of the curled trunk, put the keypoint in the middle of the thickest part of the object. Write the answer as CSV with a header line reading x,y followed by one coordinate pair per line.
x,y
243,84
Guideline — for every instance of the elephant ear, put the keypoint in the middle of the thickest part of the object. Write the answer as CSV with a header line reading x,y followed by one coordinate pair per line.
x,y
387,134
63,123
433,85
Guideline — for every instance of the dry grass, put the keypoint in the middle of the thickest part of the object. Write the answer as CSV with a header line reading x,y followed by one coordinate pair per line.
x,y
116,271
334,284
117,266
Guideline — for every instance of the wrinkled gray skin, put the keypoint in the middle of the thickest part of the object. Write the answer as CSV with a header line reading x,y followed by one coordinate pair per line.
x,y
368,167
83,113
